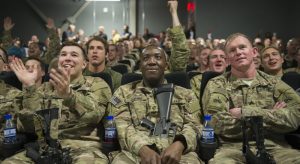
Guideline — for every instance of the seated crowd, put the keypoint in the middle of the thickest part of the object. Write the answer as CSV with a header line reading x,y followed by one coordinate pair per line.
x,y
83,77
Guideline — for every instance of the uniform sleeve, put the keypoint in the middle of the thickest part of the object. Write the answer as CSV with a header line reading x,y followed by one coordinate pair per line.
x,y
53,48
216,103
282,120
179,52
90,105
192,125
196,84
7,39
130,138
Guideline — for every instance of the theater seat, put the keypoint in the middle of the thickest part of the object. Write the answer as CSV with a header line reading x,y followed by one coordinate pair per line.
x,y
179,78
10,78
130,77
122,69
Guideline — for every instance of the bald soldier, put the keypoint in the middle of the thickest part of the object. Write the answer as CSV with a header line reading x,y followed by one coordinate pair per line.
x,y
81,101
245,91
134,101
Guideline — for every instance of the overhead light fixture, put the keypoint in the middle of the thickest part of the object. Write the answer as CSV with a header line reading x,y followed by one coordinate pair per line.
x,y
104,0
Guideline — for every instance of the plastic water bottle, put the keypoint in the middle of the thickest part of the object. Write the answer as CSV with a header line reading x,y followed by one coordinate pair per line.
x,y
110,130
208,131
10,131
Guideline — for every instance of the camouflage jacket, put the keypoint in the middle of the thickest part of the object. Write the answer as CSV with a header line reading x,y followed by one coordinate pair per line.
x,y
10,103
196,84
54,46
115,77
179,52
133,102
79,114
257,99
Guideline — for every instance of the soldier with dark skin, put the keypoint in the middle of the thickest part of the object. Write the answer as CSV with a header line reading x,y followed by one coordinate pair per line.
x,y
137,98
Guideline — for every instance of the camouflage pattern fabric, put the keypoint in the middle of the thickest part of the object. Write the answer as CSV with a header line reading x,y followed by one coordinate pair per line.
x,y
79,116
196,84
256,99
54,46
10,103
179,51
133,101
115,77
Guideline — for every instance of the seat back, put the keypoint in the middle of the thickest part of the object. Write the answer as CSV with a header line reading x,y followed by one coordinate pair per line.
x,y
106,77
122,69
130,77
178,78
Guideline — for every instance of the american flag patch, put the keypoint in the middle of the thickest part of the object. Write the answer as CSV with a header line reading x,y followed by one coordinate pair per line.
x,y
115,100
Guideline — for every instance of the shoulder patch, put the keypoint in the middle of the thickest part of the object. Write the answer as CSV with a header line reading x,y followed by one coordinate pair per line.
x,y
115,100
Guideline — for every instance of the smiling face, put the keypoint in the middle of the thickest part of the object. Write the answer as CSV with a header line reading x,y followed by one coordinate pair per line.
x,y
240,53
217,61
271,60
153,65
71,58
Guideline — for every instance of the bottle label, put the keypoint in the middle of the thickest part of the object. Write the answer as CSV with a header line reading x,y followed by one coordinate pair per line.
x,y
11,132
110,133
208,134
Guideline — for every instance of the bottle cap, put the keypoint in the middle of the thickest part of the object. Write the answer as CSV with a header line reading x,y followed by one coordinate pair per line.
x,y
207,117
110,117
7,116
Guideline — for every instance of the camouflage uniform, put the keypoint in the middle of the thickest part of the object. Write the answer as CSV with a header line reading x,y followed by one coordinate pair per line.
x,y
79,116
256,99
7,40
54,46
10,102
196,84
179,52
134,101
115,77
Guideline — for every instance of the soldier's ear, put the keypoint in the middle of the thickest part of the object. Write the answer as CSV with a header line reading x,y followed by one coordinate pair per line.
x,y
84,64
255,51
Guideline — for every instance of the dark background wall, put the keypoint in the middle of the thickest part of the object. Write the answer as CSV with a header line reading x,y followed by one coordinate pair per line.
x,y
217,16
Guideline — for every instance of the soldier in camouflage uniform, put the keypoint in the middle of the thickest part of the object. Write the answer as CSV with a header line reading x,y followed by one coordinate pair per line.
x,y
82,102
134,101
97,49
271,61
33,48
216,63
246,91
179,51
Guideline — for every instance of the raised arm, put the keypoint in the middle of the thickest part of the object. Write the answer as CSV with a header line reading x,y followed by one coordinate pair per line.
x,y
179,51
7,37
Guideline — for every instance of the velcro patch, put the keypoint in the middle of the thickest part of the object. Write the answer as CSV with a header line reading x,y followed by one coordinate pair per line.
x,y
115,100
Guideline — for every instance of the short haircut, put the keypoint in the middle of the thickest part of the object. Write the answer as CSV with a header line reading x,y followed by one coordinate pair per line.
x,y
263,50
216,48
114,45
235,35
99,39
72,43
156,47
42,64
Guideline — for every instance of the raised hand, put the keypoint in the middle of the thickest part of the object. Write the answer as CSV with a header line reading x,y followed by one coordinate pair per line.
x,y
50,23
60,79
8,24
27,78
173,6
